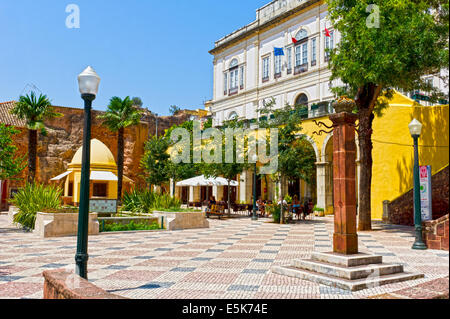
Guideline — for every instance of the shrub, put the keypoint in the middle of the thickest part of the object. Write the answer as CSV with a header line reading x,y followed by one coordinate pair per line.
x,y
130,227
318,209
274,211
145,201
34,198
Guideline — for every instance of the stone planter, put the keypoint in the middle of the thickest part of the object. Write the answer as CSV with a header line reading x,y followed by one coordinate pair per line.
x,y
344,105
62,224
126,220
180,221
13,211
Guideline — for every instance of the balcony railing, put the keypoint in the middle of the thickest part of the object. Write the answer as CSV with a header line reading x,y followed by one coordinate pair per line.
x,y
301,68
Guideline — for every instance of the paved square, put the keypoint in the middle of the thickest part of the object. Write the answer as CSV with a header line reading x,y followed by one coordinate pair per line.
x,y
232,259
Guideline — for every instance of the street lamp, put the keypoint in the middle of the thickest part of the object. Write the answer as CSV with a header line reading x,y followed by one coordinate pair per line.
x,y
415,128
254,216
88,82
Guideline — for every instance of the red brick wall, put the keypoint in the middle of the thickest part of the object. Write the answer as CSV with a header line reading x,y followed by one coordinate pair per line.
x,y
65,136
435,233
401,210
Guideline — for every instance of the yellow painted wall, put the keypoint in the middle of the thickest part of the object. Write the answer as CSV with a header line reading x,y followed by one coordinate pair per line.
x,y
392,146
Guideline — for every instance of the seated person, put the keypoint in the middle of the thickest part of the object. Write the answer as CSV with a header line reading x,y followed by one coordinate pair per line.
x,y
296,207
261,206
211,201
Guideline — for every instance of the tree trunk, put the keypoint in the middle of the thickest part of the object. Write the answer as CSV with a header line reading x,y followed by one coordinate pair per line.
x,y
365,179
120,155
229,204
32,155
282,200
366,100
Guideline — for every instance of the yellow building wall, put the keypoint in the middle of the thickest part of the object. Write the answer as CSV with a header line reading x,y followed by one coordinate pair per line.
x,y
392,146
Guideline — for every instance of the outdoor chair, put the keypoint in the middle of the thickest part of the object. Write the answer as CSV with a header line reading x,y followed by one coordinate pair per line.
x,y
216,210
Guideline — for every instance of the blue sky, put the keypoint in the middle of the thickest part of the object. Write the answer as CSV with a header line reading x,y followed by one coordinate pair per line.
x,y
157,50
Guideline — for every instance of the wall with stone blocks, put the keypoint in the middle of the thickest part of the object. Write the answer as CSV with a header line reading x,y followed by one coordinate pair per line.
x,y
435,233
401,210
65,136
60,284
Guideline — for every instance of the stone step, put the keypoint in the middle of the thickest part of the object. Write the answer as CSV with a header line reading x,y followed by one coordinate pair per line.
x,y
346,284
356,272
347,260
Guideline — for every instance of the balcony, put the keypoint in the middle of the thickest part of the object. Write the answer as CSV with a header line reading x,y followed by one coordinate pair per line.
x,y
301,68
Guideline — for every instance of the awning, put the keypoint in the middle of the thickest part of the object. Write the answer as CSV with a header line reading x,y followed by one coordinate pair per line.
x,y
59,177
203,181
103,176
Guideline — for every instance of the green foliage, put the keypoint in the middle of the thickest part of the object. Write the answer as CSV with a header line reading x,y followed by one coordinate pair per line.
x,y
129,227
274,211
145,201
288,199
34,110
34,198
137,101
155,160
318,209
296,157
120,114
411,41
174,110
10,164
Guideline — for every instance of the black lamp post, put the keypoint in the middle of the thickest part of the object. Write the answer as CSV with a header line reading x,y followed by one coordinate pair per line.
x,y
88,82
254,216
415,128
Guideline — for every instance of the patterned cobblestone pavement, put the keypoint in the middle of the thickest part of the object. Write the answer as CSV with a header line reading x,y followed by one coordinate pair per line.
x,y
231,259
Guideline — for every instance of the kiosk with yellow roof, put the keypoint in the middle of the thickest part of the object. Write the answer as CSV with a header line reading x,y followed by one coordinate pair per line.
x,y
103,175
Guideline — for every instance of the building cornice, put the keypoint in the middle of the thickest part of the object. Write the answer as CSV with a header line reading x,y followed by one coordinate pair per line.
x,y
255,27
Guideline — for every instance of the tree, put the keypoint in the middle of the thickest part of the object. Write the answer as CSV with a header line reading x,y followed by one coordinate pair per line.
x,y
120,115
10,163
174,110
296,158
137,102
155,160
229,171
410,43
34,110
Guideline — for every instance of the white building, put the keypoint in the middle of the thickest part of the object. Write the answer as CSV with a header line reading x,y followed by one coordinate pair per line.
x,y
247,72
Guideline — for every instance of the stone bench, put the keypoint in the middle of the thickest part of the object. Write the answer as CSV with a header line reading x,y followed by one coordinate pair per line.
x,y
180,221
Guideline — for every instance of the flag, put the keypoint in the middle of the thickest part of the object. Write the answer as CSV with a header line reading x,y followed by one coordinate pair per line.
x,y
327,32
278,51
294,40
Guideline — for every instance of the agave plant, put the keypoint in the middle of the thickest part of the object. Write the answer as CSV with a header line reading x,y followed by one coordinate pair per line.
x,y
34,198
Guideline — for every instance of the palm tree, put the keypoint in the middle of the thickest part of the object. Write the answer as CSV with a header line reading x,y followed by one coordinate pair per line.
x,y
34,110
119,115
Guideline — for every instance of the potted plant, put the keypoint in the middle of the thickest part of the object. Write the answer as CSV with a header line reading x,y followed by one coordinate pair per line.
x,y
319,211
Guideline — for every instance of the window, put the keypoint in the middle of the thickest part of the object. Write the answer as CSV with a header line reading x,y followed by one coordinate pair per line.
x,y
266,66
234,78
305,53
100,190
302,34
233,63
302,100
289,60
225,83
329,44
241,81
313,52
301,58
277,66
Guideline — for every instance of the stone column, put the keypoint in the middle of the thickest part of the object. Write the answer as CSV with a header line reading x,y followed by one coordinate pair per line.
x,y
321,183
345,239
